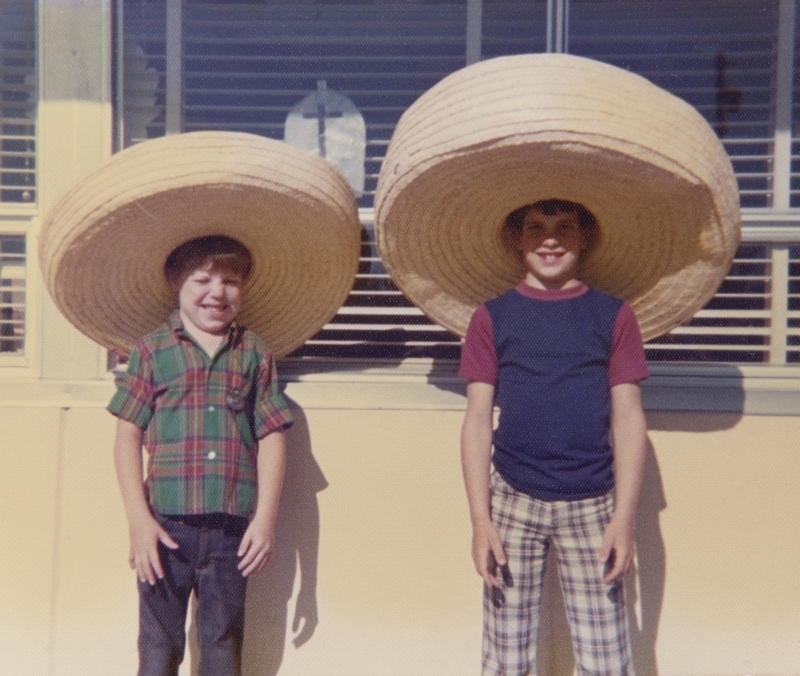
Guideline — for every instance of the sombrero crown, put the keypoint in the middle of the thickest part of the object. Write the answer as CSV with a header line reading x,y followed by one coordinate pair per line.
x,y
104,243
511,131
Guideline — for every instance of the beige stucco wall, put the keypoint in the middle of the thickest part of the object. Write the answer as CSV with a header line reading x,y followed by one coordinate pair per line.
x,y
373,547
373,550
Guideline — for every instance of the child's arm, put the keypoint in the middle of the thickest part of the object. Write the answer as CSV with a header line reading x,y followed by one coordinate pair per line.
x,y
629,432
476,457
145,531
258,539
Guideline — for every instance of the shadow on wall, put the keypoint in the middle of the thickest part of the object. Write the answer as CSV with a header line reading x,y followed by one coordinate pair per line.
x,y
706,398
644,589
296,551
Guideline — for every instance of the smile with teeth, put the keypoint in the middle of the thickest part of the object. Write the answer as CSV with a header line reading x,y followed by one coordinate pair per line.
x,y
215,309
550,256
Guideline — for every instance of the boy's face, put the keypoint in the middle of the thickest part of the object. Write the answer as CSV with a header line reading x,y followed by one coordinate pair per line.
x,y
210,299
551,247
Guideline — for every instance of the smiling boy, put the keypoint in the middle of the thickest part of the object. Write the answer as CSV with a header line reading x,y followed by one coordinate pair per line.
x,y
563,363
182,239
201,395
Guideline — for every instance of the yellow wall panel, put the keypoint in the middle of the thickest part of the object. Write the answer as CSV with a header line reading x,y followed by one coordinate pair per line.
x,y
372,573
29,493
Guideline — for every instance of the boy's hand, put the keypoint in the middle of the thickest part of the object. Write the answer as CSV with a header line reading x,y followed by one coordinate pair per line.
x,y
145,534
616,550
488,554
256,547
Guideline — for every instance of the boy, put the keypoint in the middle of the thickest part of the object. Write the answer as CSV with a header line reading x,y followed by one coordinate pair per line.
x,y
201,393
563,364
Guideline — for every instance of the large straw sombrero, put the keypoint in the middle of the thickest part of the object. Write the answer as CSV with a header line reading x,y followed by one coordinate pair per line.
x,y
104,243
514,130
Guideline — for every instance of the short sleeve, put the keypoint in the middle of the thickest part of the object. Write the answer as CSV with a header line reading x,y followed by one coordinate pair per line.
x,y
271,411
627,363
478,355
134,399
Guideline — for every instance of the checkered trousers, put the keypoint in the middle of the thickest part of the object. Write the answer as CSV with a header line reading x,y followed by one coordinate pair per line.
x,y
595,610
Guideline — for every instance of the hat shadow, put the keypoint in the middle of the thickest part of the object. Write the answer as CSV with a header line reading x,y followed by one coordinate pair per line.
x,y
291,574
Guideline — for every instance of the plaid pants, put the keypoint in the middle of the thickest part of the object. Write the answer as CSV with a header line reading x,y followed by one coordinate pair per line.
x,y
595,610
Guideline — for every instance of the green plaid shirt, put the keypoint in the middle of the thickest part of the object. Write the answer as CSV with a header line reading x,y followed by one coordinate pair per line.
x,y
202,417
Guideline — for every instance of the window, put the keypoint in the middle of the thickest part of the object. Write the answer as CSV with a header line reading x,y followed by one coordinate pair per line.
x,y
12,294
243,65
17,101
722,60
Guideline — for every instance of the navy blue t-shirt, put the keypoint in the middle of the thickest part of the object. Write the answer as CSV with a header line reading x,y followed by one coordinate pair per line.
x,y
553,387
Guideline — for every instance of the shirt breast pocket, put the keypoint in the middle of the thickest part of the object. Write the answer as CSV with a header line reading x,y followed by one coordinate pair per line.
x,y
238,398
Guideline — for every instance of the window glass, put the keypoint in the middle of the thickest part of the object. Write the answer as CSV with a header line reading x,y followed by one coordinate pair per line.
x,y
513,27
17,101
793,339
12,293
720,56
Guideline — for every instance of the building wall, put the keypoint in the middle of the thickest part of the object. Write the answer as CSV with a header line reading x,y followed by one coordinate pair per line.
x,y
372,573
373,547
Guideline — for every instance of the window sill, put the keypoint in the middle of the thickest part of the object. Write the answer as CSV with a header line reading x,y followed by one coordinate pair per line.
x,y
429,385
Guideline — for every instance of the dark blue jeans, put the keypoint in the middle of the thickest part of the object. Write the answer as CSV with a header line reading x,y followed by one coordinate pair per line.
x,y
206,564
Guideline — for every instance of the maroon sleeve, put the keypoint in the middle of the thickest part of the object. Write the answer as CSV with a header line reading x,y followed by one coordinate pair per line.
x,y
478,357
627,363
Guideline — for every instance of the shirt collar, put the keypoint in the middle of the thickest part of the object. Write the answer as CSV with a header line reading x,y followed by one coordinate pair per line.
x,y
529,291
175,324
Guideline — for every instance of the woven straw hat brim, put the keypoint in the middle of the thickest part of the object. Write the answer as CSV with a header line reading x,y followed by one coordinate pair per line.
x,y
514,130
104,243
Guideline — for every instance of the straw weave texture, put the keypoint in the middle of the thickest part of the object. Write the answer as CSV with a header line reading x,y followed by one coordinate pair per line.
x,y
104,243
514,130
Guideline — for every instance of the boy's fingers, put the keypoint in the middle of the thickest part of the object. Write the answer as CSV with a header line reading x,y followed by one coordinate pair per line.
x,y
167,540
493,570
499,554
253,562
618,567
616,573
145,572
244,564
604,552
247,553
611,575
155,567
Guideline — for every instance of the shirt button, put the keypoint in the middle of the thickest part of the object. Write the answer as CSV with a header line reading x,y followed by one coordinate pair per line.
x,y
211,408
212,455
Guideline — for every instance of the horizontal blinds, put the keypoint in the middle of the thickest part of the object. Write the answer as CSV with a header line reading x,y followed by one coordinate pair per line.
x,y
738,324
517,27
246,64
793,331
720,56
17,101
144,49
377,321
245,70
12,293
795,115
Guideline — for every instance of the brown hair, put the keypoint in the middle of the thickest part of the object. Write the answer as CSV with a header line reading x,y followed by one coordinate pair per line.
x,y
213,251
550,207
